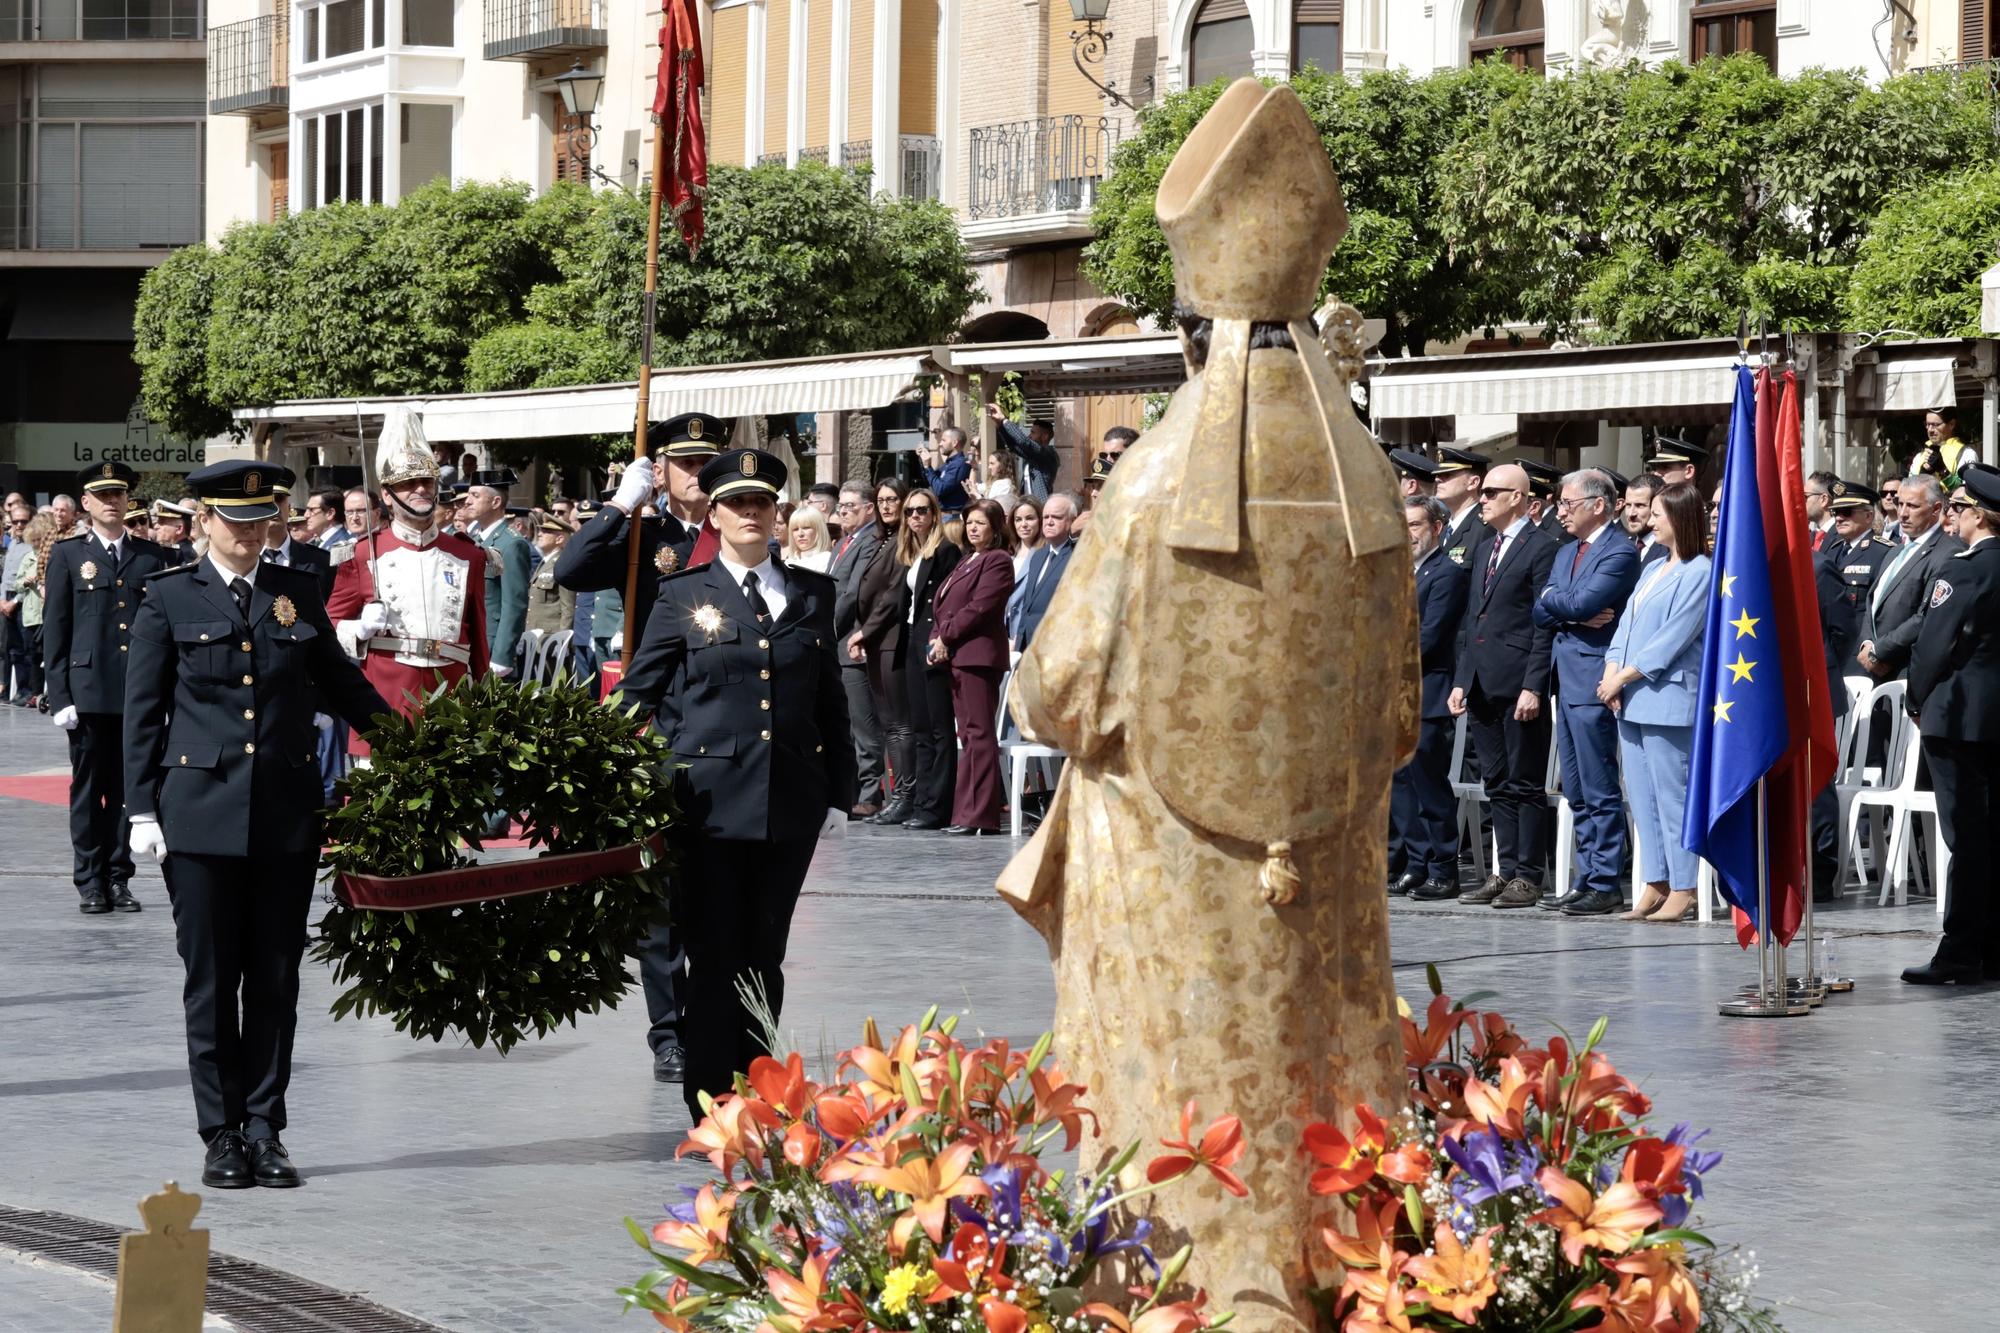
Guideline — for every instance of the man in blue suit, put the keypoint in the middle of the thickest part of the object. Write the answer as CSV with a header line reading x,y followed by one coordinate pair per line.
x,y
1423,827
1038,585
1588,586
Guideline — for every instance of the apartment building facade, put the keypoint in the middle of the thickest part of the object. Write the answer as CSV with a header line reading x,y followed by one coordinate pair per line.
x,y
101,167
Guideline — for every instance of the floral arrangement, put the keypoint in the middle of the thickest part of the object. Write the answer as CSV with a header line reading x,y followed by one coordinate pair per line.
x,y
911,1194
1522,1188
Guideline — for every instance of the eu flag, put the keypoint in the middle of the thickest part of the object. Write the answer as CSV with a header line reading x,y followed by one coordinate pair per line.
x,y
1741,727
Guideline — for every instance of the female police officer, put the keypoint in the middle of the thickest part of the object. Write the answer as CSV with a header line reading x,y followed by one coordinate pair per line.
x,y
228,656
737,668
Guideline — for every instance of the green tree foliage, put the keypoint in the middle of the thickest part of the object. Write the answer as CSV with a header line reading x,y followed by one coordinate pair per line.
x,y
1918,268
1619,205
482,287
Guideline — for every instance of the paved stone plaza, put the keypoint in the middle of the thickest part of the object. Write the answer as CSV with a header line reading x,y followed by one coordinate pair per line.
x,y
486,1194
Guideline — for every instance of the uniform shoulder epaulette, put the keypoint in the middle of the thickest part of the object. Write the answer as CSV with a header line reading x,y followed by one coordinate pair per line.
x,y
171,569
684,571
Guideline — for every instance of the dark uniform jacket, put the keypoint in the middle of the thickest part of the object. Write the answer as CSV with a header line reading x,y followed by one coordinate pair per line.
x,y
1501,649
1441,589
594,559
1462,538
1839,623
758,716
1858,564
219,735
310,559
87,618
1893,628
1955,668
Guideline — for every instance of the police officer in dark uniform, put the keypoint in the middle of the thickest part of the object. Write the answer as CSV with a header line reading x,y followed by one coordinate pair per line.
x,y
594,561
1415,474
1423,818
1955,694
1840,634
1545,481
94,588
228,655
1675,458
738,669
1458,474
1856,553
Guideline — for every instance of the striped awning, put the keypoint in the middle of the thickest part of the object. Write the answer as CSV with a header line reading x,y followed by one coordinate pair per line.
x,y
824,384
1912,385
1547,384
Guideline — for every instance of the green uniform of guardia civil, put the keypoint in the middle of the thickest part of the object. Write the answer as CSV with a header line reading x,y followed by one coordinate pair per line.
x,y
507,577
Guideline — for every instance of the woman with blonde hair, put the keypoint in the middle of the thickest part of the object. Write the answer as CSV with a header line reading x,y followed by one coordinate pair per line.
x,y
39,535
929,558
807,543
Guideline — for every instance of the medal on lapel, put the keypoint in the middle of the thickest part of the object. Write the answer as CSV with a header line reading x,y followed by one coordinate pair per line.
x,y
284,612
708,619
89,570
665,560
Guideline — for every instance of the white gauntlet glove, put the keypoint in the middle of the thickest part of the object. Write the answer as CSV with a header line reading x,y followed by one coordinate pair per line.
x,y
635,488
66,718
374,620
835,824
147,840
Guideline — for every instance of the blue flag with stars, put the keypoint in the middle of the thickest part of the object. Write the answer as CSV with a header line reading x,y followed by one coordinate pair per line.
x,y
1741,727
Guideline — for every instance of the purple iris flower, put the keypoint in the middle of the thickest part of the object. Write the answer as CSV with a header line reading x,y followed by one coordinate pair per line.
x,y
1489,1166
1693,1164
684,1211
1094,1241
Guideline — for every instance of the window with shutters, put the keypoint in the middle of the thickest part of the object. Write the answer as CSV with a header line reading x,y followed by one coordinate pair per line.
x,y
116,154
1316,34
1512,29
1724,27
1220,45
1976,29
280,175
569,157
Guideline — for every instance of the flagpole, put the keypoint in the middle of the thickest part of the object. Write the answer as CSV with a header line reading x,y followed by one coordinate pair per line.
x,y
1771,1001
647,320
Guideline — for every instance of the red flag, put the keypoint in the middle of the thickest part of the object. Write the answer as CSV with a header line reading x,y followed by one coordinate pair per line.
x,y
677,109
1809,757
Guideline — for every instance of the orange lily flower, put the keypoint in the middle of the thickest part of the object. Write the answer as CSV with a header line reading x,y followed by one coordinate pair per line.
x,y
879,1078
1380,1301
1406,1164
705,1238
804,1301
1609,1222
976,1266
1423,1047
1221,1148
802,1145
1502,1109
931,1183
1655,1167
784,1086
1178,1317
1454,1278
1374,1243
726,1135
1655,1294
671,1317
1003,1316
1056,1100
1346,1164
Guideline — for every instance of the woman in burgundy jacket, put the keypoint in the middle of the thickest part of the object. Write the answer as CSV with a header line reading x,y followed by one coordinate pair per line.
x,y
969,630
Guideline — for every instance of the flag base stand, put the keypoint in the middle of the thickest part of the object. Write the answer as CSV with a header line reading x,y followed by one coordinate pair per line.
x,y
1802,989
1763,1007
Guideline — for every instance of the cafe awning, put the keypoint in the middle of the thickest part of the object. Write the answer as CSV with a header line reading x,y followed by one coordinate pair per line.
x,y
1594,381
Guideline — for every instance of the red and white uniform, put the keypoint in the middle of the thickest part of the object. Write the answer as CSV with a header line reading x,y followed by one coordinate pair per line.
x,y
433,588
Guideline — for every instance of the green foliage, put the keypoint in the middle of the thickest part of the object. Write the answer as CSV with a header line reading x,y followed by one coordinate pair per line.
x,y
538,355
581,777
170,332
1918,268
1618,205
158,486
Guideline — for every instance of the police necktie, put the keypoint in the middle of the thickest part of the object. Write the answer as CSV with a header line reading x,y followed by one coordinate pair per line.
x,y
239,588
273,557
756,599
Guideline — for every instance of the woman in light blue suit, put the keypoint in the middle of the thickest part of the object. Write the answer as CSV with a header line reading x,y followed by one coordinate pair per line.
x,y
1652,673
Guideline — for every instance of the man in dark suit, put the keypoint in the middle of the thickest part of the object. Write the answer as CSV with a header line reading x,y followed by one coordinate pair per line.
x,y
861,537
1897,603
94,589
1046,569
1423,825
287,551
1501,681
738,670
1635,515
1955,692
1589,584
1839,627
1457,477
1544,481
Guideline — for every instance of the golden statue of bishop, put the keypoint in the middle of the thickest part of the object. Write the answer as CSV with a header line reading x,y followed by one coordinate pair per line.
x,y
1230,663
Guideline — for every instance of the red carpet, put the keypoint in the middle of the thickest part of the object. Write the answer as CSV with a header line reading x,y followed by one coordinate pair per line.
x,y
51,790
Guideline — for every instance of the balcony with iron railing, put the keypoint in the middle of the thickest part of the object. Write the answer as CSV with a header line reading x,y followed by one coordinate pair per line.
x,y
1037,176
530,29
100,215
249,65
101,20
1982,74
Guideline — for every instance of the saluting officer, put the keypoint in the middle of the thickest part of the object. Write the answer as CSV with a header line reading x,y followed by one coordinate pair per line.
x,y
228,655
94,584
737,667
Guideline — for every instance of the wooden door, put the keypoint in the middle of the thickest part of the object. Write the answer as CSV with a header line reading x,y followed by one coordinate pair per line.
x,y
281,180
566,167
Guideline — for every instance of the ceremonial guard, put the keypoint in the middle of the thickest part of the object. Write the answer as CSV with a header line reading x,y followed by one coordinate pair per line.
x,y
1955,696
411,601
227,655
738,670
93,588
509,567
594,561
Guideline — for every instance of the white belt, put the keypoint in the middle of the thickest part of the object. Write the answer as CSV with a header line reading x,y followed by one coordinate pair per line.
x,y
435,648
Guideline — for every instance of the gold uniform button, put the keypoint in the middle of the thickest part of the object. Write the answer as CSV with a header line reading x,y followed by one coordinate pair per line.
x,y
249,747
121,606
245,645
765,674
249,715
184,759
121,583
764,704
122,648
247,680
763,643
766,735
204,638
121,624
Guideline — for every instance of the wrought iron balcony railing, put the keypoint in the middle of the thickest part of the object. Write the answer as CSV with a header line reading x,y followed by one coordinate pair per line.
x,y
98,215
770,159
1050,165
101,20
857,153
813,155
1981,73
249,65
529,29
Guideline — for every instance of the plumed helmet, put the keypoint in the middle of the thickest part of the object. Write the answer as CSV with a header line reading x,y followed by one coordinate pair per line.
x,y
403,454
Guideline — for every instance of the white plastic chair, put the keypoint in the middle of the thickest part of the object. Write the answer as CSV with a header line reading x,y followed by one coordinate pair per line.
x,y
1867,702
1470,793
1020,752
555,656
527,654
1896,799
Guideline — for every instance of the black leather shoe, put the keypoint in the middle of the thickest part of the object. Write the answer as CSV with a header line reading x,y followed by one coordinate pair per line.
x,y
1407,885
1935,973
227,1163
122,899
272,1166
669,1064
1433,891
1486,892
1592,904
94,903
923,822
1550,902
896,812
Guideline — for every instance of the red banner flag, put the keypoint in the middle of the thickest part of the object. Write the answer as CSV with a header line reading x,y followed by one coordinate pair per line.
x,y
677,109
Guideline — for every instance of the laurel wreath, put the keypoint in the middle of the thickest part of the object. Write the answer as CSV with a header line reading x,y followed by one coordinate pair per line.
x,y
579,777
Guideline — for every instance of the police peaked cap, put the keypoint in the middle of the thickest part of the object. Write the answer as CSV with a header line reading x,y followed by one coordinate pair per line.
x,y
1543,478
498,479
110,475
743,470
689,435
1460,460
1982,483
1409,463
1851,495
1673,449
242,490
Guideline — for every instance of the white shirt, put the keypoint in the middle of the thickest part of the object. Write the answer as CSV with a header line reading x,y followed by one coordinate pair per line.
x,y
1514,529
116,549
280,554
227,577
769,582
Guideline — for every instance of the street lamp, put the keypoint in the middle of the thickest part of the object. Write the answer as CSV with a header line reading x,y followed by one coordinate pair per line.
x,y
1089,44
580,88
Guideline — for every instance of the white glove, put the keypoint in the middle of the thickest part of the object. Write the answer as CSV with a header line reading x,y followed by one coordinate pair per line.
x,y
835,824
502,672
374,620
322,721
617,644
66,718
147,840
635,488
